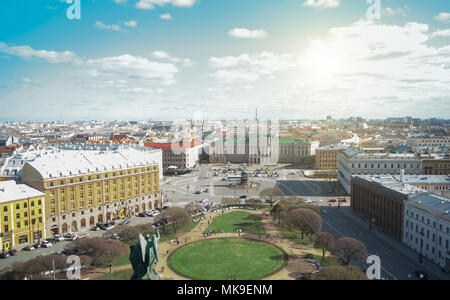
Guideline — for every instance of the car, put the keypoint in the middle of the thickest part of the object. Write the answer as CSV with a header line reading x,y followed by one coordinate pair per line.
x,y
70,236
46,244
324,211
126,222
243,197
114,236
421,275
28,248
155,213
13,252
343,200
110,227
332,200
197,192
4,254
142,215
58,238
95,228
37,246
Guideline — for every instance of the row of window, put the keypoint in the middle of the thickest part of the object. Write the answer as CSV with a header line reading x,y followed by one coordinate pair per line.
x,y
24,205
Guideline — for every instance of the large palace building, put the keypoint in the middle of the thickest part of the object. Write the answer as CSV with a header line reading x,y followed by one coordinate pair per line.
x,y
85,186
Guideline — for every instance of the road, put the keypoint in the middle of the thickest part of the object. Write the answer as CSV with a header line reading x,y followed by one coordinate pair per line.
x,y
394,263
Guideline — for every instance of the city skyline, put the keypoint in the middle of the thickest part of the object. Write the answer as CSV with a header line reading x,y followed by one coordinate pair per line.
x,y
167,60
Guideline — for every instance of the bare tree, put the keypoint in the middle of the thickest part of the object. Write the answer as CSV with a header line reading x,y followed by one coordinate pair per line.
x,y
279,211
305,220
324,241
310,206
348,249
176,217
271,195
193,209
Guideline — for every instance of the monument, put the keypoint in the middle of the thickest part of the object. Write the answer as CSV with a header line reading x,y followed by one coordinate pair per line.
x,y
144,256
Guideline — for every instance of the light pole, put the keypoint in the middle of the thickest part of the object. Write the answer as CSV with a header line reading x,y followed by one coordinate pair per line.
x,y
421,245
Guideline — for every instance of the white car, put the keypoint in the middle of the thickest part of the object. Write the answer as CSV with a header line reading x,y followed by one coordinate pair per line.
x,y
58,238
155,213
46,244
110,227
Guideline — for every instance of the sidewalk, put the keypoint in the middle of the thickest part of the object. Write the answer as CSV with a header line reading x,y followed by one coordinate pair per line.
x,y
427,265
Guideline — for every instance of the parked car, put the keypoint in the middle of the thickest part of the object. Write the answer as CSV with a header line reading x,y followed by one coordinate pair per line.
x,y
421,275
126,222
324,211
46,244
58,238
110,227
142,215
197,192
114,236
37,246
332,200
28,248
343,200
13,252
95,228
243,197
70,236
4,254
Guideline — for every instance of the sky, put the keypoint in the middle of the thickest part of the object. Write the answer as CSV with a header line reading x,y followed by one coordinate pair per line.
x,y
222,59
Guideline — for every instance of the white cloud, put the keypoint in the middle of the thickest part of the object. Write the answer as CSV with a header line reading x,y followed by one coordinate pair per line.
x,y
186,62
166,17
389,11
250,67
133,67
131,23
120,1
114,27
245,33
443,33
322,3
28,52
443,17
150,4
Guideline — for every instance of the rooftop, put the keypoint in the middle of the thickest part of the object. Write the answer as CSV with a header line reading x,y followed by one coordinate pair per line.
x,y
73,160
10,191
432,203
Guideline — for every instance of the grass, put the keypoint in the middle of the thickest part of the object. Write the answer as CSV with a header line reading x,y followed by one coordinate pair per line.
x,y
248,222
215,259
119,275
329,261
296,237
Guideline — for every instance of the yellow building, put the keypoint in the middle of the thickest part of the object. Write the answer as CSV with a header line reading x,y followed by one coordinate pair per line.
x,y
22,213
86,187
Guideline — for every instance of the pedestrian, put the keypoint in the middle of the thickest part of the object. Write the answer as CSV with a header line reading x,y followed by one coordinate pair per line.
x,y
167,252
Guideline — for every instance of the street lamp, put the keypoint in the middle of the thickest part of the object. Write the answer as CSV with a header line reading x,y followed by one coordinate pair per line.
x,y
421,245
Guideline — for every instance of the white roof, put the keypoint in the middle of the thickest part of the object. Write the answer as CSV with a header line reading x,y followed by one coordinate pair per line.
x,y
10,190
73,161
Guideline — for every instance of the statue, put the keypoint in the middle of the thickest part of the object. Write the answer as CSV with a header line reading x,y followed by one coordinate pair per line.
x,y
144,256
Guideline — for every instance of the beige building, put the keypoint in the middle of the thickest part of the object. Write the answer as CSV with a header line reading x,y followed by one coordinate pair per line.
x,y
327,157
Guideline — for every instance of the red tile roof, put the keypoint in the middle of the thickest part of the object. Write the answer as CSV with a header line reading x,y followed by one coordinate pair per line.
x,y
179,145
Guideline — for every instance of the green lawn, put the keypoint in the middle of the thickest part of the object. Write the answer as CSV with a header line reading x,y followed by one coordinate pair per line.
x,y
215,259
119,275
296,237
248,222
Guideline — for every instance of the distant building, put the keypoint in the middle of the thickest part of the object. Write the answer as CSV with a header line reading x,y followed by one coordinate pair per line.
x,y
427,227
182,156
6,141
22,214
352,163
296,151
436,166
427,141
327,157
